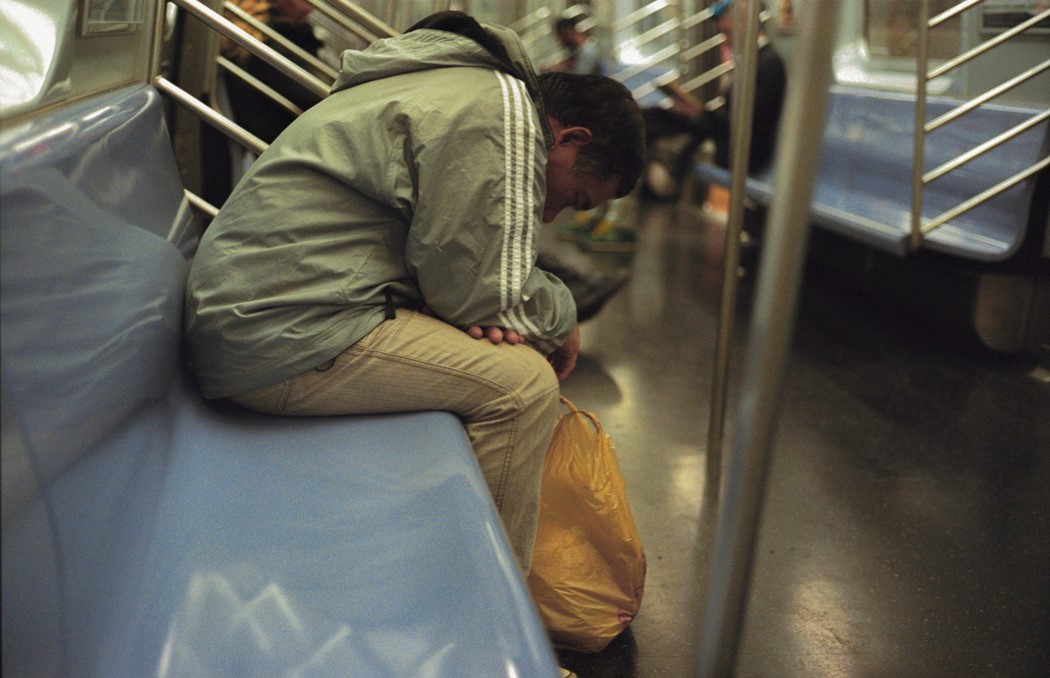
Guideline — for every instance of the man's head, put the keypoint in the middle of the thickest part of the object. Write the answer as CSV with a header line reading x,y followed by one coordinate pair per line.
x,y
569,36
723,12
598,128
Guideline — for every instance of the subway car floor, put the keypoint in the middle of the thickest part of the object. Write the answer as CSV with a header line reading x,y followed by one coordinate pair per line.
x,y
906,529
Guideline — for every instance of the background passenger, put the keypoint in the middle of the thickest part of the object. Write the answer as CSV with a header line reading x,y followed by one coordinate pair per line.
x,y
687,114
252,109
582,54
379,256
596,230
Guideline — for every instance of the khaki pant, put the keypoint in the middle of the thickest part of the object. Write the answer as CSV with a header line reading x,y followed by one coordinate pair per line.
x,y
506,396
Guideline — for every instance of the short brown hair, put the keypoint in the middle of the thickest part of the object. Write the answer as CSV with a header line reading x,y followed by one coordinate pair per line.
x,y
609,111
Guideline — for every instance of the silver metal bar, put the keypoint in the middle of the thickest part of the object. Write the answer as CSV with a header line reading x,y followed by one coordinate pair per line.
x,y
657,32
157,45
530,20
703,47
369,22
663,55
200,204
977,151
919,138
269,32
259,85
698,18
226,27
707,76
783,255
954,11
345,22
984,196
210,116
743,102
634,17
987,45
656,83
987,96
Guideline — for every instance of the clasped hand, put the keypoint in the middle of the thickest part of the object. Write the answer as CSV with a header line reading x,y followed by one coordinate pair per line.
x,y
563,359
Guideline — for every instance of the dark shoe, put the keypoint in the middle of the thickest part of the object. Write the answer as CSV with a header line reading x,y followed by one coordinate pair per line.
x,y
591,296
590,290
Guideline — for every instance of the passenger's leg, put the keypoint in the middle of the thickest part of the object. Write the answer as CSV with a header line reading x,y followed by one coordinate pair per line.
x,y
506,396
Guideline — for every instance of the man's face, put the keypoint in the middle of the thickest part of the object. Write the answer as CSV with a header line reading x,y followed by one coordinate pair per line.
x,y
566,185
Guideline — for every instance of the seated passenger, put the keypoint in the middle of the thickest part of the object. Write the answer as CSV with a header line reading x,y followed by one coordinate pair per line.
x,y
252,109
379,256
687,115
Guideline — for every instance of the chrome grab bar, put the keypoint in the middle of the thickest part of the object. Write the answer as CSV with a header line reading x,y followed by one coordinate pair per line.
x,y
773,320
271,56
344,14
356,20
920,176
740,139
284,42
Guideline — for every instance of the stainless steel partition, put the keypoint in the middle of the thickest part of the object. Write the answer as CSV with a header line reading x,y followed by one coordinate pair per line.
x,y
923,128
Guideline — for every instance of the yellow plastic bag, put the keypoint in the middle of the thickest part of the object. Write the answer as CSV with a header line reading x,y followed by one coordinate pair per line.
x,y
588,565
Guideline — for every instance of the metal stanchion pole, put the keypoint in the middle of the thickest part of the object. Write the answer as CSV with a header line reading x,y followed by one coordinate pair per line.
x,y
779,276
743,102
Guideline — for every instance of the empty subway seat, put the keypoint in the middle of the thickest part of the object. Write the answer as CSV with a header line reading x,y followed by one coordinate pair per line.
x,y
863,189
148,532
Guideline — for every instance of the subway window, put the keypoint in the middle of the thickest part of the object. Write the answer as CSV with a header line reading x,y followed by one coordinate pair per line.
x,y
891,29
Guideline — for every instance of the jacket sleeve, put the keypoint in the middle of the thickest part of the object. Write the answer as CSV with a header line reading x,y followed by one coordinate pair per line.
x,y
472,243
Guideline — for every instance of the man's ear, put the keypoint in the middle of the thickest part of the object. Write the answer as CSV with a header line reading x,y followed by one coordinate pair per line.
x,y
574,136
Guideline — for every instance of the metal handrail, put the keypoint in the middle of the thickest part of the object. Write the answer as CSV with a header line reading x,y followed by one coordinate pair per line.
x,y
743,101
210,115
663,55
987,45
657,32
639,14
953,12
985,195
531,20
223,26
977,151
773,320
271,56
707,76
703,47
362,24
260,86
918,160
656,83
284,42
987,96
920,176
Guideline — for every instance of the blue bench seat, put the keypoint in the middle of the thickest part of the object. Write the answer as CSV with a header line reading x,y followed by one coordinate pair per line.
x,y
863,184
148,532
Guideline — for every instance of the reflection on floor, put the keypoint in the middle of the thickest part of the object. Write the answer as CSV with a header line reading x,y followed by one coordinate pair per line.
x,y
905,530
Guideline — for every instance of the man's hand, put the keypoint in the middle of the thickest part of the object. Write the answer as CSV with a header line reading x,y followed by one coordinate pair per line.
x,y
563,360
496,335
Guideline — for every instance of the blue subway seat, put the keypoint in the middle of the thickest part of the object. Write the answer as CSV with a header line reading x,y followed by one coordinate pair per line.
x,y
863,188
148,532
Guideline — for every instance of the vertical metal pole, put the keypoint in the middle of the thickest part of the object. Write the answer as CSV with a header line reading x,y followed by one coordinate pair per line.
x,y
157,44
780,272
745,53
919,144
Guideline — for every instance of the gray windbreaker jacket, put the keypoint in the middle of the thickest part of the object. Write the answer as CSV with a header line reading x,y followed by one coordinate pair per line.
x,y
421,179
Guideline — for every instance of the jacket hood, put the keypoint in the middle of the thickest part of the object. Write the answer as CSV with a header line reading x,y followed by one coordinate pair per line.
x,y
426,48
